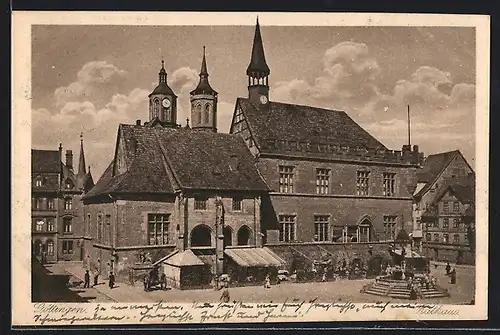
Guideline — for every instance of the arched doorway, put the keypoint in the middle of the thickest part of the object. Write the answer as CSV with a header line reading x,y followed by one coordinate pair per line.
x,y
201,236
228,236
244,234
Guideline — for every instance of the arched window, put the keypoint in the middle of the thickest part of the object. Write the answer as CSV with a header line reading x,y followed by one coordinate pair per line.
x,y
207,114
364,231
50,248
228,236
244,234
198,114
201,236
156,108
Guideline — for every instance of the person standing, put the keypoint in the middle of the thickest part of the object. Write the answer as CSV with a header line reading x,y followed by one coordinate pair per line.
x,y
96,277
448,268
267,283
225,294
87,279
111,280
453,275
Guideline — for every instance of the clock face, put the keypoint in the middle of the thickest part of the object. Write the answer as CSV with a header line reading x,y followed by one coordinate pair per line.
x,y
263,99
166,103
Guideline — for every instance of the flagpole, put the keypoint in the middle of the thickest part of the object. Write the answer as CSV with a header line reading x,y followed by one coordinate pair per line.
x,y
409,138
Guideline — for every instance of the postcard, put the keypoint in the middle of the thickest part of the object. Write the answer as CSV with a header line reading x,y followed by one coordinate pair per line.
x,y
199,168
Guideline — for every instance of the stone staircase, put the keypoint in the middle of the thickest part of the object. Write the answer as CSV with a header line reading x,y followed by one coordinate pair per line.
x,y
398,289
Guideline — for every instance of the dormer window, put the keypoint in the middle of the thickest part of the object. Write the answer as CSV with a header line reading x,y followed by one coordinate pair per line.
x,y
69,184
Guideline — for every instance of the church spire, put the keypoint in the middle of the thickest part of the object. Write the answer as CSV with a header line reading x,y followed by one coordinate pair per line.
x,y
204,102
203,85
258,63
258,71
81,161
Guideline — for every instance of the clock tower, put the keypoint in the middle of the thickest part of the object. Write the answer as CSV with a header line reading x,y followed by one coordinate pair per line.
x,y
163,102
204,102
258,71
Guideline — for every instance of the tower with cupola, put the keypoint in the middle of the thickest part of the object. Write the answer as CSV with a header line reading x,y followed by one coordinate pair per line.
x,y
204,102
258,72
163,102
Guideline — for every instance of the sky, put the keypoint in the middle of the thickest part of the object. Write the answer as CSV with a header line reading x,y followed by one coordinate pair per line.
x,y
89,79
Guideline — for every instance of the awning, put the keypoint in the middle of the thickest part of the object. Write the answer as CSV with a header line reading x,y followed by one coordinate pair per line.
x,y
249,257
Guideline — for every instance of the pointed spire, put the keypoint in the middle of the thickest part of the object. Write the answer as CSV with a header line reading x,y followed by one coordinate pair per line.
x,y
258,63
203,86
203,71
81,161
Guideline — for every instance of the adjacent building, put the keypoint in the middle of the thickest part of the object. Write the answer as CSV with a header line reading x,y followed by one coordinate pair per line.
x,y
449,222
438,171
57,211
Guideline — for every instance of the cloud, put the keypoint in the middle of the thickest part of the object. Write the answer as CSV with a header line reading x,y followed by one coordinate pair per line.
x,y
96,82
348,81
98,102
442,112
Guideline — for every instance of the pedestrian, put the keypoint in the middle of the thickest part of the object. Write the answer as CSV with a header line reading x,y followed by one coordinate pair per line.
x,y
96,277
163,281
87,279
146,283
453,275
111,280
267,283
448,268
225,294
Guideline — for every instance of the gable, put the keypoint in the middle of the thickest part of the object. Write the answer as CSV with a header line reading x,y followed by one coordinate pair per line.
x,y
240,126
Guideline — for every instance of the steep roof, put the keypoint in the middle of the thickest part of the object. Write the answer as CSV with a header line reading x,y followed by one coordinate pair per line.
x,y
432,168
145,167
289,122
164,89
158,158
258,63
462,188
202,160
45,161
203,85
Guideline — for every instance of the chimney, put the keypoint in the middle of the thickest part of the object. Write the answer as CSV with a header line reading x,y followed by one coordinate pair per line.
x,y
415,148
138,122
69,159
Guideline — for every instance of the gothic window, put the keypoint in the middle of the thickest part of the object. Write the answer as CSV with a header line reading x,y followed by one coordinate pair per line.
x,y
237,204
198,114
108,229
156,108
200,203
207,114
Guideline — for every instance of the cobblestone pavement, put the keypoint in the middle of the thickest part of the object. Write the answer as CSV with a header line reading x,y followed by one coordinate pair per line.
x,y
344,290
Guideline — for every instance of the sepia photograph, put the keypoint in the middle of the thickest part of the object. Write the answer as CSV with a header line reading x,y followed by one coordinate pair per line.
x,y
250,167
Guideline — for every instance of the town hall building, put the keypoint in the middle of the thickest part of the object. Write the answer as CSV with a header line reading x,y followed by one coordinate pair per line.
x,y
287,181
